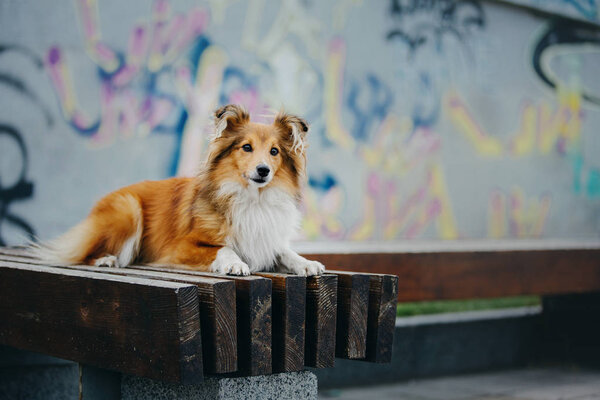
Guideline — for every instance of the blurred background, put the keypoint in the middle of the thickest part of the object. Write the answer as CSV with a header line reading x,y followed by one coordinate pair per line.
x,y
434,123
430,119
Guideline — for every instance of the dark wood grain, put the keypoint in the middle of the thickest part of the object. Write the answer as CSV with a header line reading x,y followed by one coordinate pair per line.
x,y
254,316
321,311
478,274
383,295
352,313
138,326
445,275
217,309
289,311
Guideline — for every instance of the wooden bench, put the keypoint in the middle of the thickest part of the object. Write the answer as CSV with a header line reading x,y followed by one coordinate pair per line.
x,y
565,329
179,325
469,271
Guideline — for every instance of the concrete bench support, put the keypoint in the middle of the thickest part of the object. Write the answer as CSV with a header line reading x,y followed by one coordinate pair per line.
x,y
290,385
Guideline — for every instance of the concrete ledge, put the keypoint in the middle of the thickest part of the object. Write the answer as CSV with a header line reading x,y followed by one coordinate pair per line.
x,y
446,344
293,385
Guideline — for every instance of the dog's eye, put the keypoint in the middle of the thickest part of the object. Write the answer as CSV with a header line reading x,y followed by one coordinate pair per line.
x,y
247,148
274,151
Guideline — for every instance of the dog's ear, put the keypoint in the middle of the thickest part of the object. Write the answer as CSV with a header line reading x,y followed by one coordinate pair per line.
x,y
296,128
229,117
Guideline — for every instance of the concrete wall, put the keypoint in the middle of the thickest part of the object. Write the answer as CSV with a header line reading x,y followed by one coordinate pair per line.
x,y
430,120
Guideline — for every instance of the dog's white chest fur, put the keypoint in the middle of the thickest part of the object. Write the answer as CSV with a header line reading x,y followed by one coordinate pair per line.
x,y
262,224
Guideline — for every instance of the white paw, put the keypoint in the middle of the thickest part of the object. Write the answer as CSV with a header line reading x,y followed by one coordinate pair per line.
x,y
108,261
308,268
231,268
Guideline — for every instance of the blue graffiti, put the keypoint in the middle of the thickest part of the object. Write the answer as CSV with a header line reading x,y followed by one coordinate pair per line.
x,y
195,55
587,8
425,115
324,182
589,187
368,109
235,79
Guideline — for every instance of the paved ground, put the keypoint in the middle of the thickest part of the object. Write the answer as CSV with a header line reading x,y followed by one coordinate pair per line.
x,y
525,384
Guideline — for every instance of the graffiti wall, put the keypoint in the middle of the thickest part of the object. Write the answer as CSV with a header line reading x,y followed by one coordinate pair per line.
x,y
437,119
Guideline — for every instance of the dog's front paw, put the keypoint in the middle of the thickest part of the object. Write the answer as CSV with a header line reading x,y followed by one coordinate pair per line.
x,y
308,268
231,268
108,261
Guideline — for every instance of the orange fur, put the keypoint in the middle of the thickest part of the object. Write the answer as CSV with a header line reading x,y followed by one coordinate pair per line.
x,y
185,221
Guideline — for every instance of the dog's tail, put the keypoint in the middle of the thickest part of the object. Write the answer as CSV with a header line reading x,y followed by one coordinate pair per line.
x,y
72,247
114,227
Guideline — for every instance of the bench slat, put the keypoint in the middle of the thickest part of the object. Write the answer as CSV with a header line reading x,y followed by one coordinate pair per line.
x,y
217,309
139,326
254,316
321,311
383,296
289,312
352,314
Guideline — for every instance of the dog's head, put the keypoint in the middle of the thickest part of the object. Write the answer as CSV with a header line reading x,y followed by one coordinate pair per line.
x,y
258,155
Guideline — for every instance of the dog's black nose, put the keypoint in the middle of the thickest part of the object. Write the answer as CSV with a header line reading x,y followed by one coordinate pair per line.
x,y
263,170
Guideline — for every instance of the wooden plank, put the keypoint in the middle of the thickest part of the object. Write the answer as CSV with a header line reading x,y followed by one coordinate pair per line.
x,y
383,295
321,310
254,316
464,274
289,311
217,310
352,314
137,326
479,274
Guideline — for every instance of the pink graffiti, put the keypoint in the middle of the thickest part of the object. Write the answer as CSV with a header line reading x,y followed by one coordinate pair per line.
x,y
130,100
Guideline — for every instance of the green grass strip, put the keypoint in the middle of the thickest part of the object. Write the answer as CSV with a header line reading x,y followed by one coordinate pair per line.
x,y
448,306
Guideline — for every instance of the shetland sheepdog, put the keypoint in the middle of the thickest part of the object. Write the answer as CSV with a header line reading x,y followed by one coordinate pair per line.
x,y
237,216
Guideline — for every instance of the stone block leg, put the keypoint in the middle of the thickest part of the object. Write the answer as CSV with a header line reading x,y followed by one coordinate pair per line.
x,y
291,385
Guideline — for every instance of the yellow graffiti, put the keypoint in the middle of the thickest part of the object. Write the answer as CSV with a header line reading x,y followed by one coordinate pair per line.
x,y
201,100
497,226
397,147
409,217
484,144
321,214
446,222
515,215
366,227
101,54
332,92
541,127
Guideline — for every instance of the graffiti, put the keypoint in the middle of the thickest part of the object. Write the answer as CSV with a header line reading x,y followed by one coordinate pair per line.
x,y
582,9
398,148
587,8
292,19
201,86
379,101
131,101
562,37
333,95
18,85
15,185
420,23
400,117
515,215
541,127
321,209
427,204
464,121
544,128
21,188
